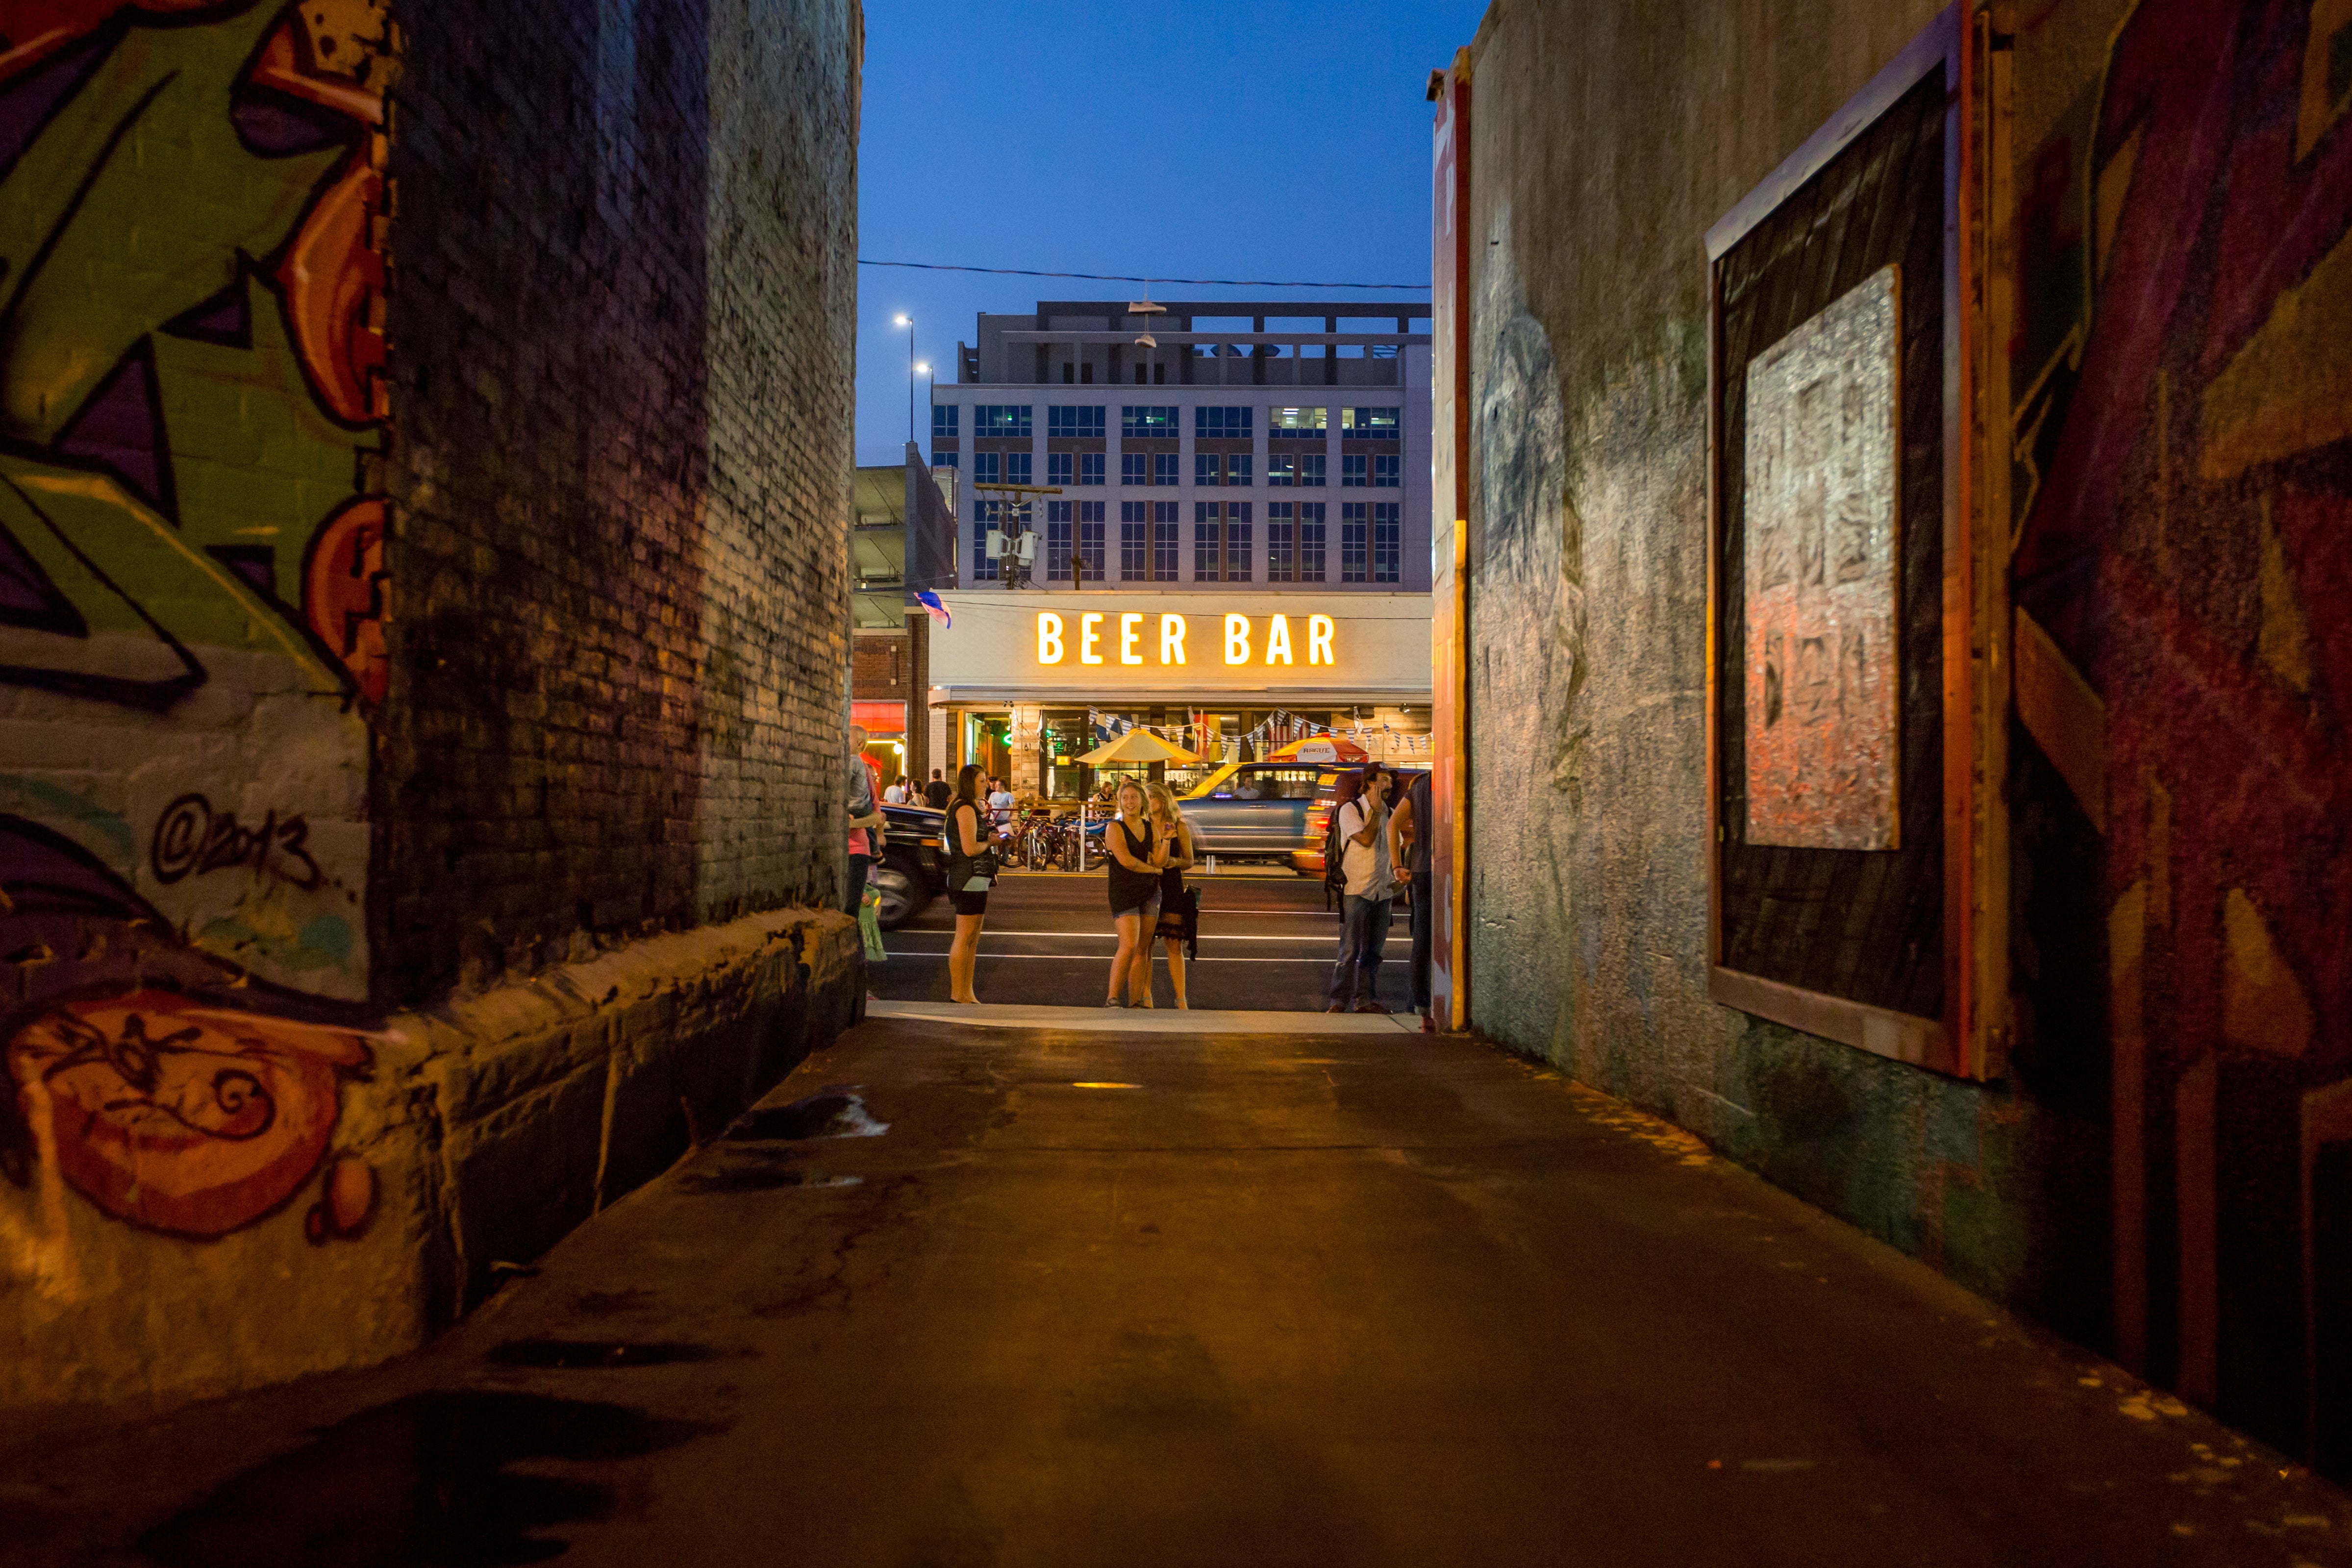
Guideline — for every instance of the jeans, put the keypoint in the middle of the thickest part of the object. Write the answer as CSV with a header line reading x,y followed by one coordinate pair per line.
x,y
858,866
1424,927
1364,931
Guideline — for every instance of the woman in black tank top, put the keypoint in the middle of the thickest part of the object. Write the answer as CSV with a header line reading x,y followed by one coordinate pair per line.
x,y
1136,858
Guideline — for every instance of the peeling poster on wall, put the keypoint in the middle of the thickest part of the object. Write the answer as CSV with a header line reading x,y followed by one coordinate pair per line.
x,y
1820,502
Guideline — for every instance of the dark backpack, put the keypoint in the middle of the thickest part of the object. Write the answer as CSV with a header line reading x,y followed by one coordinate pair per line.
x,y
1334,868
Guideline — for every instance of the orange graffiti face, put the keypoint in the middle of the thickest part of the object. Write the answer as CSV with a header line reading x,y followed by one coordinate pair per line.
x,y
342,594
175,1116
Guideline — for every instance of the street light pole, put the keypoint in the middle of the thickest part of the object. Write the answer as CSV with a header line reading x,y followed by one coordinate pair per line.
x,y
908,322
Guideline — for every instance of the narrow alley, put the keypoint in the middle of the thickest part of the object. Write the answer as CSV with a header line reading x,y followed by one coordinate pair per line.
x,y
953,1296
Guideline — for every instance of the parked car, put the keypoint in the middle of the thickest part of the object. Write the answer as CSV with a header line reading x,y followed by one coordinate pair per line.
x,y
1308,861
1252,810
913,870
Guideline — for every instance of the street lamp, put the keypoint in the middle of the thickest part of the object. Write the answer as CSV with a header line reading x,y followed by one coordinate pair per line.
x,y
922,367
908,322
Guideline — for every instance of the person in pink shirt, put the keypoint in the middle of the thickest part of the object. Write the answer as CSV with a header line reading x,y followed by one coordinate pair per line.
x,y
866,818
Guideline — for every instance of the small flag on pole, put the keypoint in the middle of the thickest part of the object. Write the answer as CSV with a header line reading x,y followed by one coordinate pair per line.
x,y
931,603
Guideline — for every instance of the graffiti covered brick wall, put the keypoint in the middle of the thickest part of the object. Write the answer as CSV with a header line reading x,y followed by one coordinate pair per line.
x,y
2183,488
192,598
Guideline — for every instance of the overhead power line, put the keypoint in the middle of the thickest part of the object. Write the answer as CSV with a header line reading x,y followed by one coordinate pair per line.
x,y
1126,278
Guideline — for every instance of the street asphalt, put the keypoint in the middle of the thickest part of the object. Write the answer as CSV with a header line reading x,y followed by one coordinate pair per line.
x,y
1266,942
958,1296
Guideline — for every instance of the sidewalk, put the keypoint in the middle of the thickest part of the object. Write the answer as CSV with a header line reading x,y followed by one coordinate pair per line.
x,y
1019,1295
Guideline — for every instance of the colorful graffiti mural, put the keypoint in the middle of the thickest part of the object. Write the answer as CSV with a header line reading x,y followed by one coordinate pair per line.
x,y
193,595
2184,487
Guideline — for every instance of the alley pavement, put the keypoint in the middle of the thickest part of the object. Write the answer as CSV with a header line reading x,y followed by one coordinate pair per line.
x,y
1036,1295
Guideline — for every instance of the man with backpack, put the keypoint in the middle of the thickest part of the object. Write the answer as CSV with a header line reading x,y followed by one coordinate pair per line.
x,y
1356,860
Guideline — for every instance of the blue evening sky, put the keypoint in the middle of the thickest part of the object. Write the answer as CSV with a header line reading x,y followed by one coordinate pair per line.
x,y
1208,140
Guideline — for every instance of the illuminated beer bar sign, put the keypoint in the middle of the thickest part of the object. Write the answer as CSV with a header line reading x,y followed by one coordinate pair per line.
x,y
1308,648
1166,637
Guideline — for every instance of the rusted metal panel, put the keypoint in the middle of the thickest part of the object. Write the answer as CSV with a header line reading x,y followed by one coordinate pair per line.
x,y
1821,482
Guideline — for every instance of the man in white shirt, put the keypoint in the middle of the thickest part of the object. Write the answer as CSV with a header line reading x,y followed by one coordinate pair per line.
x,y
897,794
999,804
1363,819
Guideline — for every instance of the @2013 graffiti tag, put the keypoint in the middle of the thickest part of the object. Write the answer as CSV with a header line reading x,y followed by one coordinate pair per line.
x,y
191,838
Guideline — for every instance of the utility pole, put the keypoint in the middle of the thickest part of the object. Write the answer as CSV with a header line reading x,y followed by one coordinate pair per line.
x,y
1017,510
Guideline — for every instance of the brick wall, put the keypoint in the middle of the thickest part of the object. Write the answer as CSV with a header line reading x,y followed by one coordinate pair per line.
x,y
882,668
621,312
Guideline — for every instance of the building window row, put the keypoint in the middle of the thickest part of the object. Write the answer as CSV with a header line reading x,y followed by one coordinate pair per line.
x,y
1080,420
1149,420
1235,423
1371,423
1223,423
1214,469
1147,541
1376,471
1147,467
1295,468
1221,541
1294,541
1001,418
1001,468
1081,534
1074,468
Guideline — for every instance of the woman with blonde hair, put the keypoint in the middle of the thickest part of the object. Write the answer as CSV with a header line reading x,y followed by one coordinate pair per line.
x,y
1179,916
1136,858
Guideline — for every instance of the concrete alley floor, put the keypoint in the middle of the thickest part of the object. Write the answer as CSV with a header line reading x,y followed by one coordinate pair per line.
x,y
1012,1296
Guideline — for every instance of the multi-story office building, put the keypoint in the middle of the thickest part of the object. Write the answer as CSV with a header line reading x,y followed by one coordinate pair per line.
x,y
1273,456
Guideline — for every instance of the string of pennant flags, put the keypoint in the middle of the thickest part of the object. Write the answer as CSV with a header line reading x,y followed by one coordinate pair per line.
x,y
1277,729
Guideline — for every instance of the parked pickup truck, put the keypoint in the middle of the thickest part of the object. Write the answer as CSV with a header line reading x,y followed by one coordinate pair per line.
x,y
1253,810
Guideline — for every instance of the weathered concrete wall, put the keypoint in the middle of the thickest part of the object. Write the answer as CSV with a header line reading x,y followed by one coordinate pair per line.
x,y
424,485
1605,140
2172,1139
483,1130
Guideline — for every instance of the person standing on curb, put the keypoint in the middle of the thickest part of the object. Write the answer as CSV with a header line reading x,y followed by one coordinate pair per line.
x,y
1411,831
866,818
1180,914
1137,856
1364,907
972,859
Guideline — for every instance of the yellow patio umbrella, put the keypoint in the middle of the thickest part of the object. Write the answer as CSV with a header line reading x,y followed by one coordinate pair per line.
x,y
1136,745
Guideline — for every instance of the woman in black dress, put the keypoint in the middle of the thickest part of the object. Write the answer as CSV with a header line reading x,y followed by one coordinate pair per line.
x,y
1177,923
966,837
1136,858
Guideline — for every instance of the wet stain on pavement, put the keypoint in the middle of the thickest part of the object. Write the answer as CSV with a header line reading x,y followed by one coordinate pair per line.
x,y
598,1355
422,1480
832,1113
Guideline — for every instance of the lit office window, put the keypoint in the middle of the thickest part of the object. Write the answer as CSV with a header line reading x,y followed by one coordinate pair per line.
x,y
1368,423
1090,468
1311,541
1295,424
1353,544
1388,541
1005,419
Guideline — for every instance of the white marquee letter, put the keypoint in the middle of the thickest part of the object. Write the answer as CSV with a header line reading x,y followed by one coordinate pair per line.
x,y
1090,637
1131,627
1049,638
1277,640
1236,639
1171,639
1318,639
